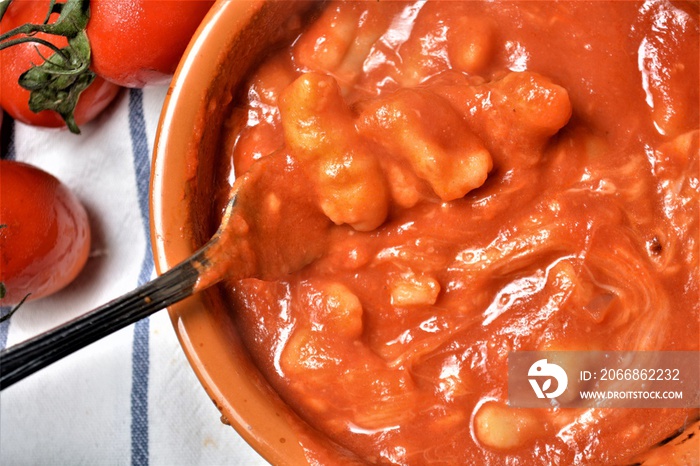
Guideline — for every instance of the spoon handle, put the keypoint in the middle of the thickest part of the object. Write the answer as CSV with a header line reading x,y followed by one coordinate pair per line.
x,y
25,358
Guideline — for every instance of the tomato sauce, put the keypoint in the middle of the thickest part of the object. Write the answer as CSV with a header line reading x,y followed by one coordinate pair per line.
x,y
500,176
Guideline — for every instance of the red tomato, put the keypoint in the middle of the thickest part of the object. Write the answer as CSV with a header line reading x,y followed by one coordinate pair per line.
x,y
17,59
45,234
140,42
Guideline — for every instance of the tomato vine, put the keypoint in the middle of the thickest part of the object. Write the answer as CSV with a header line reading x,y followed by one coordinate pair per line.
x,y
11,312
56,83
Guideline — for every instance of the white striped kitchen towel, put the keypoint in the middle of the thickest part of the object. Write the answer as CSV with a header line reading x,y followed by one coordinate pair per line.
x,y
131,398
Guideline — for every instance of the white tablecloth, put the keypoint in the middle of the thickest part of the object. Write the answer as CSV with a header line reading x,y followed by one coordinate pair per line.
x,y
130,398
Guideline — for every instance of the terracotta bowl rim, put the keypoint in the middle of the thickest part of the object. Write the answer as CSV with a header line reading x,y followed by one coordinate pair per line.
x,y
251,409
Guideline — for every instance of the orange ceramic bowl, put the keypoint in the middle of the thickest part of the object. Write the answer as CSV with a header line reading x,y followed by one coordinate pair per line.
x,y
227,45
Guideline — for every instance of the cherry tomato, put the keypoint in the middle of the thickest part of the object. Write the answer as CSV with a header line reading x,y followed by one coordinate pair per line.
x,y
140,42
17,59
44,233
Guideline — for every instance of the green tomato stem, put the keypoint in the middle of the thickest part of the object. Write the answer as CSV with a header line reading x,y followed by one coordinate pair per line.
x,y
57,83
37,40
3,318
3,7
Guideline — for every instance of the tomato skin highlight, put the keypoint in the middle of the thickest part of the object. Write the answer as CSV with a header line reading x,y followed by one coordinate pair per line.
x,y
140,42
19,58
45,233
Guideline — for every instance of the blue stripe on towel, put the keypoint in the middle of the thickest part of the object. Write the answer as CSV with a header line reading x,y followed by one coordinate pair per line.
x,y
140,354
10,155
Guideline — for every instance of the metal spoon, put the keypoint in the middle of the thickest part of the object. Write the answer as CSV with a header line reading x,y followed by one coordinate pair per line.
x,y
271,227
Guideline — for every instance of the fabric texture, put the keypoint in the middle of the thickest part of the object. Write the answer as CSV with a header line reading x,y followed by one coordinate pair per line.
x,y
130,398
